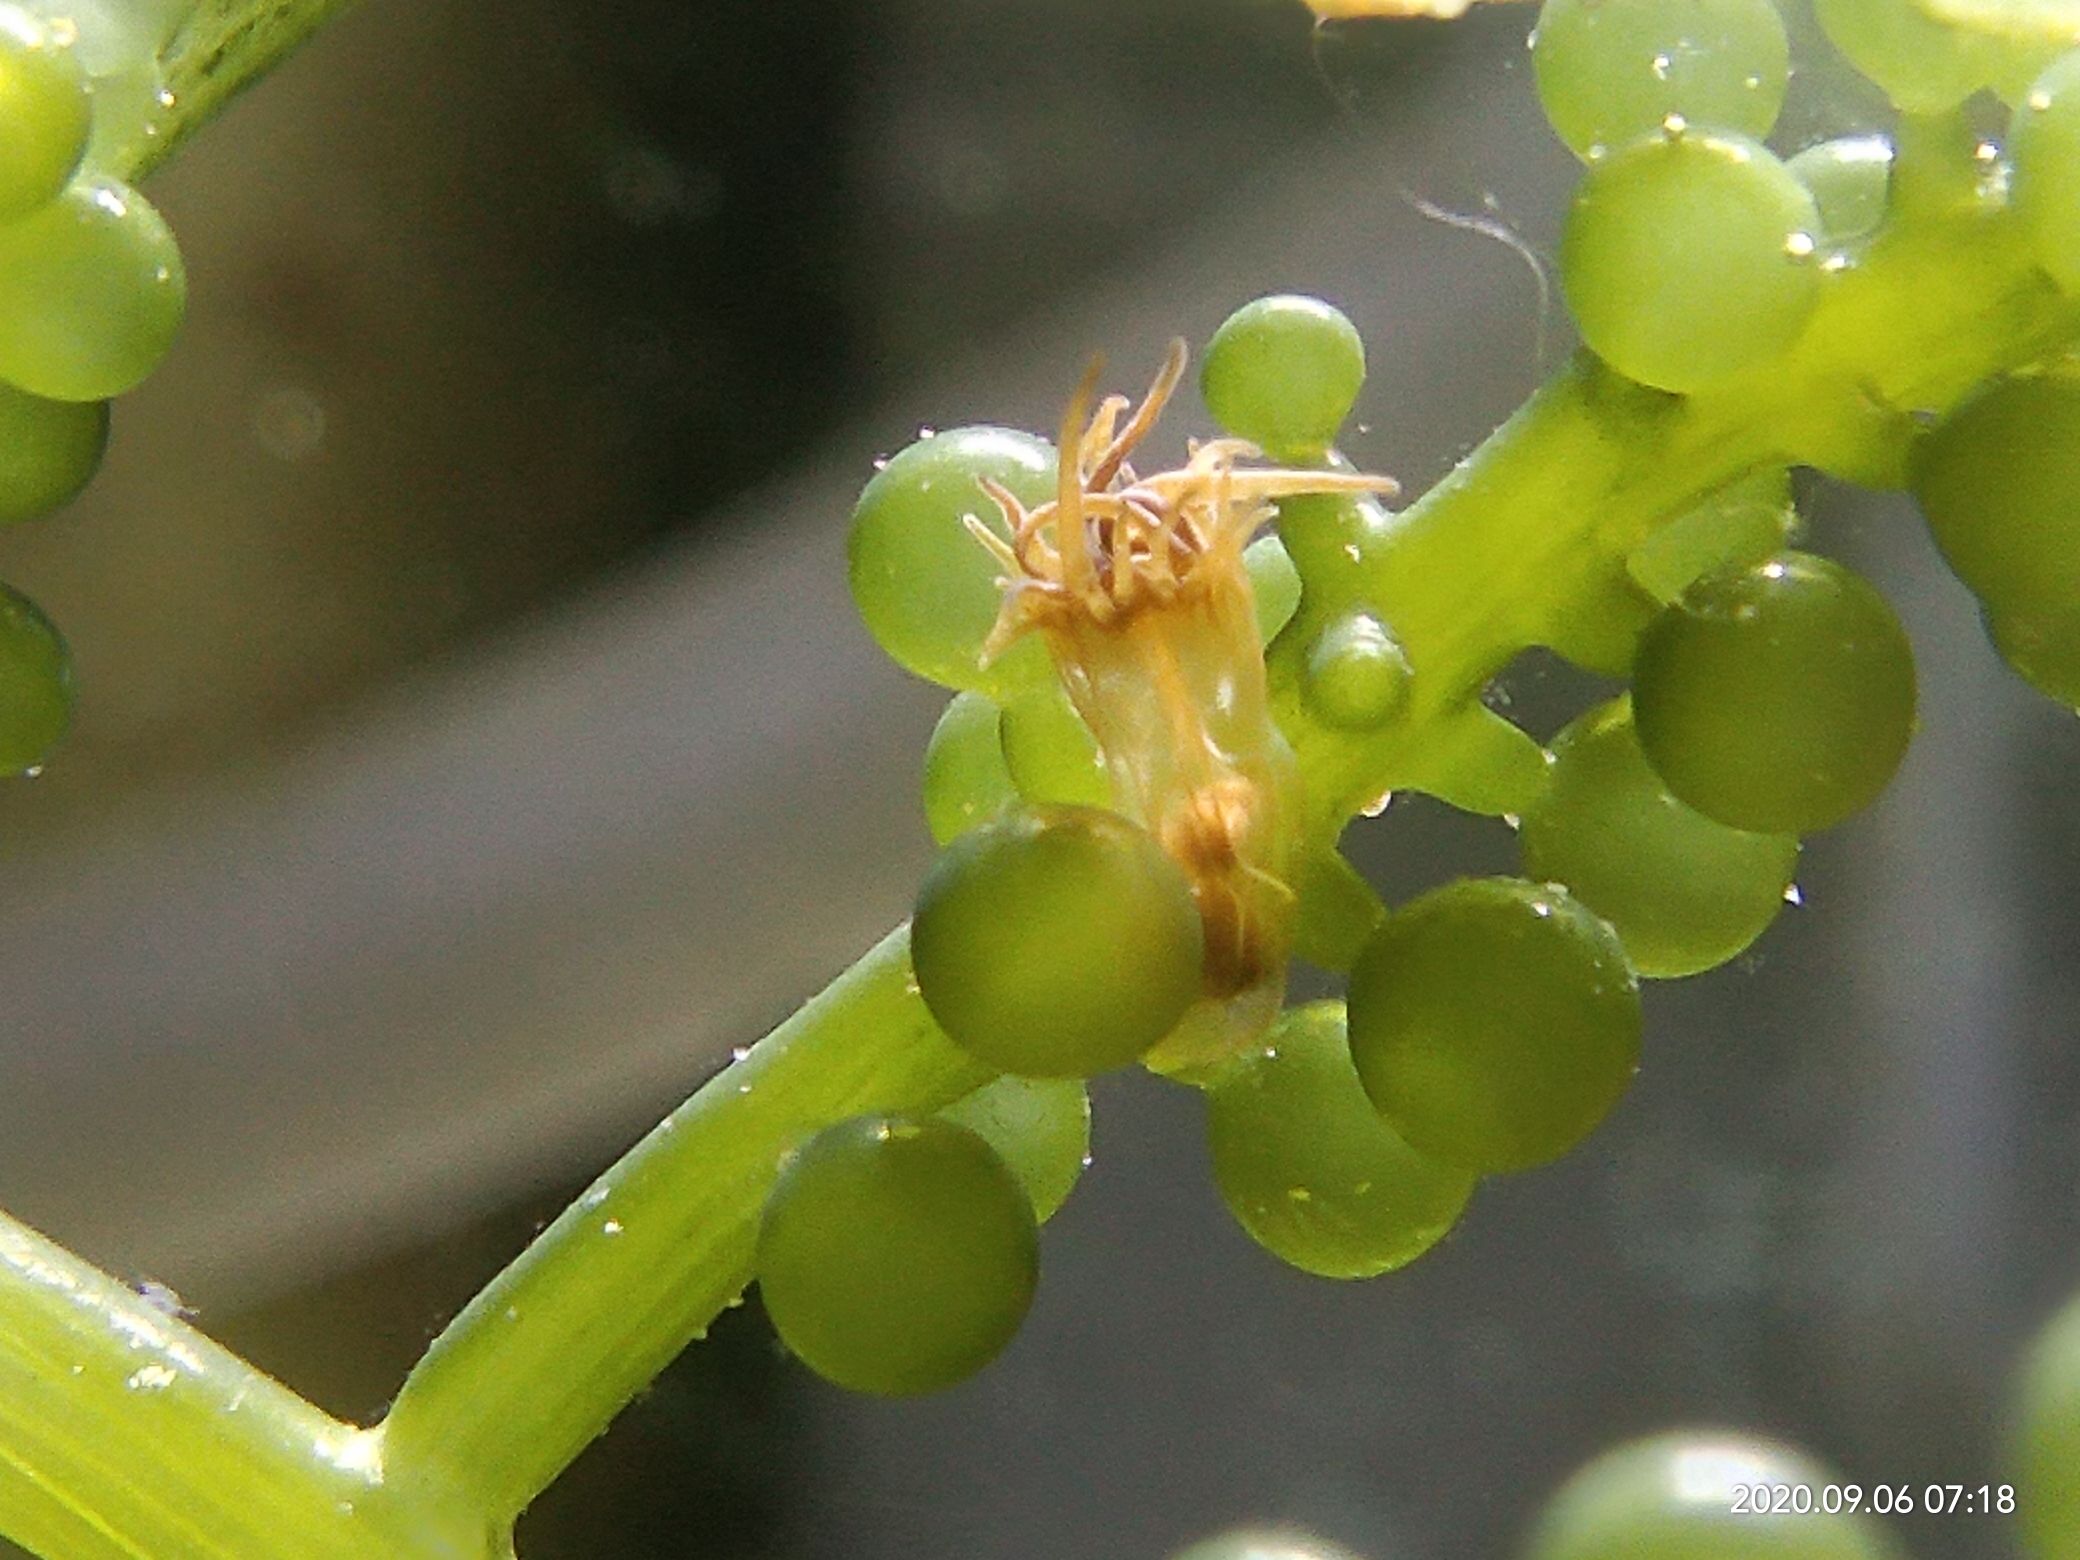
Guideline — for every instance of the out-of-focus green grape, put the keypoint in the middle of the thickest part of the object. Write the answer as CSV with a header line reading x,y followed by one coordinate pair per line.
x,y
1611,71
1264,1544
1494,1022
897,1255
1687,258
91,293
1743,523
1777,698
1851,181
1687,1496
46,109
49,450
2044,152
35,684
1274,582
1356,676
965,781
1284,372
1307,1166
2042,644
1041,1127
1049,752
1682,892
925,587
1058,942
2047,1474
1923,66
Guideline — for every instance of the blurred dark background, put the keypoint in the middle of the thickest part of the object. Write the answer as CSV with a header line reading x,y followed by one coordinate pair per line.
x,y
476,743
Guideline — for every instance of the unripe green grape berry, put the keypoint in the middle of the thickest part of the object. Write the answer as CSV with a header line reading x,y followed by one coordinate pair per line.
x,y
965,781
1687,258
1040,1127
1284,372
1494,1022
1777,698
1058,942
1611,71
1851,181
2047,1473
45,107
1264,1544
1307,1166
49,450
1675,1497
2044,154
1682,892
1924,66
925,587
35,684
2042,645
1999,481
1356,676
897,1255
1049,752
91,293
1274,582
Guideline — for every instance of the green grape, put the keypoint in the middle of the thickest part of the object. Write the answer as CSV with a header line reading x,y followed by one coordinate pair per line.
x,y
1042,1129
925,587
1056,943
1284,372
1307,1166
1264,1544
2044,153
965,781
35,684
1924,66
45,106
1494,1022
2048,1468
91,293
1611,71
897,1255
1778,698
1999,480
1338,910
1851,181
1743,523
2042,644
48,451
1274,582
1356,675
1680,1496
1687,258
1050,753
1683,893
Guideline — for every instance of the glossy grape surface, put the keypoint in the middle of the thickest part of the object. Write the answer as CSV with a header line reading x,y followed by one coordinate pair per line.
x,y
1778,698
897,1255
1307,1166
2044,153
1683,892
1040,1127
1056,942
46,111
1673,1497
35,684
1356,676
966,783
1687,258
1494,1022
1851,181
1611,71
91,293
49,450
1284,372
925,587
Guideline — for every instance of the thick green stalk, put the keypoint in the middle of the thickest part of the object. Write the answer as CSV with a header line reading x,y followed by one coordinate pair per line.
x,y
537,1364
124,1432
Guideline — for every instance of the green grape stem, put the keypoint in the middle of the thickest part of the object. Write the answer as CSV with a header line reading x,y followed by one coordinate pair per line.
x,y
1498,556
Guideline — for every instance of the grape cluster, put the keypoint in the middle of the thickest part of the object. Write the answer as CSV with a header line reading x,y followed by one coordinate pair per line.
x,y
91,293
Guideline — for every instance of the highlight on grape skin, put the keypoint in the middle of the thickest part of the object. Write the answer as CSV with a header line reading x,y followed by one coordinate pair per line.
x,y
47,111
897,1255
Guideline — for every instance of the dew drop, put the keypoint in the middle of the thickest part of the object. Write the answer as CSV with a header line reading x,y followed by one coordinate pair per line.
x,y
1792,896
